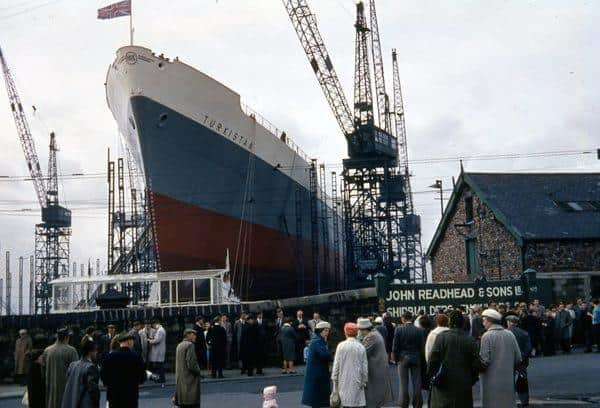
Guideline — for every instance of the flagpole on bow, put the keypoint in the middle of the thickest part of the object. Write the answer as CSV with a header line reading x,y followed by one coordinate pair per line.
x,y
130,22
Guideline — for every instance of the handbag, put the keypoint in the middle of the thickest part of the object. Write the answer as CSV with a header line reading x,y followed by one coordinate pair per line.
x,y
25,400
522,383
439,378
334,398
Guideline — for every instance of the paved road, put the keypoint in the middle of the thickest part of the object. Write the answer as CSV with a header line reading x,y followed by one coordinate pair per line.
x,y
558,381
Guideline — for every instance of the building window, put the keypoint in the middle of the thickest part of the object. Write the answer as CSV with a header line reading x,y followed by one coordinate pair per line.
x,y
577,206
469,208
472,256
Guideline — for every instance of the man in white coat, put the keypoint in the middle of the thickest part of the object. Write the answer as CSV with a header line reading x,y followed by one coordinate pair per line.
x,y
500,355
350,371
158,348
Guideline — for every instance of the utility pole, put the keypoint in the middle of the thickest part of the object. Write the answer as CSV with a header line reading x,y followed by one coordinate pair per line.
x,y
20,309
8,284
31,285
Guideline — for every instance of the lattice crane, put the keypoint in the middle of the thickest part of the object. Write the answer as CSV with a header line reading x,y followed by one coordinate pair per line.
x,y
374,187
411,231
52,235
383,106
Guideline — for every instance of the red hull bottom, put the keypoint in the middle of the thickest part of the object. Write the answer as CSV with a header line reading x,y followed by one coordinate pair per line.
x,y
264,262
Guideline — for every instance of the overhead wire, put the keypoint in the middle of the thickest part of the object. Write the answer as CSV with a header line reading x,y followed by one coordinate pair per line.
x,y
28,9
427,160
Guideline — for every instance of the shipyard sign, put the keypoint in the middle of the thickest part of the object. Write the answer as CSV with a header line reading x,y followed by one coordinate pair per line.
x,y
431,297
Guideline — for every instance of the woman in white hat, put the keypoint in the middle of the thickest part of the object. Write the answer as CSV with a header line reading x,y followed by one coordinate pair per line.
x,y
379,386
350,371
316,379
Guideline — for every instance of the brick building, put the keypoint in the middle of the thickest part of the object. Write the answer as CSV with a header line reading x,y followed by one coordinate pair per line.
x,y
498,224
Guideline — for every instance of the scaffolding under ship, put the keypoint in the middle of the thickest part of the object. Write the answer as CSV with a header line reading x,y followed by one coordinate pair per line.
x,y
222,179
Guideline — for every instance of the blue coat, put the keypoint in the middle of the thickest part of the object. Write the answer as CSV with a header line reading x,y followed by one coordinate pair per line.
x,y
317,387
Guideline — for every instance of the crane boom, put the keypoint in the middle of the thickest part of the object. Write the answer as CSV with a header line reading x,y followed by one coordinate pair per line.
x,y
381,96
305,24
52,193
363,98
24,134
400,125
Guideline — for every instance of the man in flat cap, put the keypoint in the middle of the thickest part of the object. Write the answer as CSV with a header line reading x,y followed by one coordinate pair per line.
x,y
500,355
187,372
524,342
55,361
379,386
122,373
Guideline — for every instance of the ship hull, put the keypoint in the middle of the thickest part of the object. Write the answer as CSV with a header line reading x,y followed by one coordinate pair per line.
x,y
218,183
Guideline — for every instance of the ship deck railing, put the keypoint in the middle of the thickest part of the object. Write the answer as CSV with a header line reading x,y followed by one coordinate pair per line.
x,y
275,131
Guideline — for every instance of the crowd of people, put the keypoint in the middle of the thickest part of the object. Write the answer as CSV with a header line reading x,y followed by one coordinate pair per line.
x,y
445,354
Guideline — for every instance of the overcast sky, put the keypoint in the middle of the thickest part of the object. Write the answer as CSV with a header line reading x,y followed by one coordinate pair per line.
x,y
478,78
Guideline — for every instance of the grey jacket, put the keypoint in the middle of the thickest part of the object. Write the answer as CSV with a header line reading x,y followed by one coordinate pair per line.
x,y
563,319
158,346
500,355
379,385
81,390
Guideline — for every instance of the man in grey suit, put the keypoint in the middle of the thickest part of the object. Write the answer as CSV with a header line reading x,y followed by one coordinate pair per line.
x,y
82,390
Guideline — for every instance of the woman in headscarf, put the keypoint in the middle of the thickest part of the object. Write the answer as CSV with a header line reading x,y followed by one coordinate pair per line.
x,y
316,379
287,338
350,371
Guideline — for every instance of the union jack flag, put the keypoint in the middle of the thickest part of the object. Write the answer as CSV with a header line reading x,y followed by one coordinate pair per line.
x,y
122,8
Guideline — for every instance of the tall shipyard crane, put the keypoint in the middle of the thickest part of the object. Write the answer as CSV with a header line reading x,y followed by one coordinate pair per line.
x,y
410,233
52,235
374,187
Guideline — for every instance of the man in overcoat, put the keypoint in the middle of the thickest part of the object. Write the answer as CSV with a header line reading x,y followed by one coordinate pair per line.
x,y
217,340
408,348
122,373
300,325
200,343
23,345
457,351
82,389
146,334
500,355
104,342
250,347
137,339
379,386
238,328
187,372
524,342
564,322
55,361
158,349
229,330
